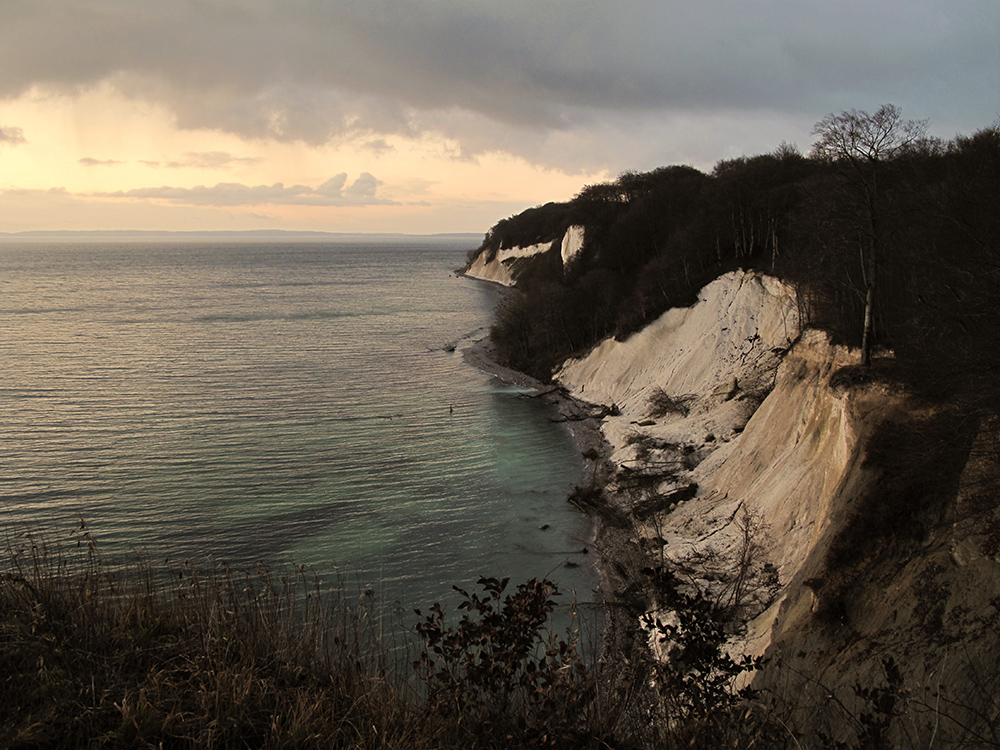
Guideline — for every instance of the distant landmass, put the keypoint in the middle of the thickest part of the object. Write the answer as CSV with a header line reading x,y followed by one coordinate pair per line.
x,y
255,235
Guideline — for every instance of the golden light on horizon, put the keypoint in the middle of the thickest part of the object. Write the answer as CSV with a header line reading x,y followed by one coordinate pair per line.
x,y
92,150
442,115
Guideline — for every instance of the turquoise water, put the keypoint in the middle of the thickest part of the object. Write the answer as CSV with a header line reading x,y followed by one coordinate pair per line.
x,y
278,403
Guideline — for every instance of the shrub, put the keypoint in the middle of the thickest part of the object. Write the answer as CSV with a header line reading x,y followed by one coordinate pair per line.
x,y
501,673
661,404
700,703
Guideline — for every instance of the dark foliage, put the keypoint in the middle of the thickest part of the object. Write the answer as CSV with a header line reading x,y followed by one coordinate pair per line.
x,y
530,227
502,674
98,654
881,707
697,678
654,239
697,693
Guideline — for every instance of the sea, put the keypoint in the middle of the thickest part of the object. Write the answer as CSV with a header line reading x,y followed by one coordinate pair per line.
x,y
279,403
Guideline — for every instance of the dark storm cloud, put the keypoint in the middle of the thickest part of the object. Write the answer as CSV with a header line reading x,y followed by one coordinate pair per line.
x,y
508,74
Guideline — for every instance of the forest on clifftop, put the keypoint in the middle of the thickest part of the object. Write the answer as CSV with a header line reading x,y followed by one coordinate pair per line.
x,y
892,239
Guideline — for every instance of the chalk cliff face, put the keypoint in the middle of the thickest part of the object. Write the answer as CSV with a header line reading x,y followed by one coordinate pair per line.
x,y
572,244
503,266
860,498
737,331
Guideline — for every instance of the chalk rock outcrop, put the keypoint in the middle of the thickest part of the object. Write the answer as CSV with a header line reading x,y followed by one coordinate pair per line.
x,y
714,361
572,244
503,266
729,426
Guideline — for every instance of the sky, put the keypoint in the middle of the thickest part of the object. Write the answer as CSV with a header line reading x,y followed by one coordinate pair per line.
x,y
426,116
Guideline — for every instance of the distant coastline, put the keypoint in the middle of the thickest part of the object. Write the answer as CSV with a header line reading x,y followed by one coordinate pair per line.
x,y
253,235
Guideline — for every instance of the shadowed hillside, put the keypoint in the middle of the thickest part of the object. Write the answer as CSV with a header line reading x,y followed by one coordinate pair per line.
x,y
793,361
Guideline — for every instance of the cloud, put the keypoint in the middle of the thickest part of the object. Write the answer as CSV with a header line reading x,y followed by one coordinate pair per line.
x,y
379,147
90,162
60,209
212,160
564,72
229,194
205,160
11,136
363,188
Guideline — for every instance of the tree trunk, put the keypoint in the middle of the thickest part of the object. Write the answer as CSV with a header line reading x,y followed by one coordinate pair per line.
x,y
868,335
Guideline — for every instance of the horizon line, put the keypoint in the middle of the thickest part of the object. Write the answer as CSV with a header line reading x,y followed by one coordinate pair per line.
x,y
97,234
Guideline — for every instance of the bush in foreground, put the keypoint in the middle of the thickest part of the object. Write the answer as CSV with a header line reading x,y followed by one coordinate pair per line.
x,y
94,654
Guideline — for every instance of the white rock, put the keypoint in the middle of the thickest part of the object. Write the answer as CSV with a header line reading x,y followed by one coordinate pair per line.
x,y
572,244
500,269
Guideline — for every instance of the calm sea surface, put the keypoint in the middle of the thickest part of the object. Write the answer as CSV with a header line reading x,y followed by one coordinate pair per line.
x,y
277,403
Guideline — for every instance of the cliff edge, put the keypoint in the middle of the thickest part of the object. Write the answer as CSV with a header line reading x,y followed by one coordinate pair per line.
x,y
836,516
505,264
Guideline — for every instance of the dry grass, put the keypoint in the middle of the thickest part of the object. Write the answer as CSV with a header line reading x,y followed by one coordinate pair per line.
x,y
116,654
102,655
99,655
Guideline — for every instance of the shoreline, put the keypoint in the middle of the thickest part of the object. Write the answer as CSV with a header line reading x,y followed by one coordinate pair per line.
x,y
618,557
581,419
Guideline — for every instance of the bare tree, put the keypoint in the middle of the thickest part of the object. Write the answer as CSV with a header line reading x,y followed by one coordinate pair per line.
x,y
863,143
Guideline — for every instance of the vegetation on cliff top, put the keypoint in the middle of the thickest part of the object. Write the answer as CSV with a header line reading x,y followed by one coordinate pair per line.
x,y
920,215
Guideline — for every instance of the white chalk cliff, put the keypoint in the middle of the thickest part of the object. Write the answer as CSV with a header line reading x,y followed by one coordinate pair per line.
x,y
719,362
502,267
756,421
572,244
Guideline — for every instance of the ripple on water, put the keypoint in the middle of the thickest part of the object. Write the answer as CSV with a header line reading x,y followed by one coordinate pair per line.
x,y
277,403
